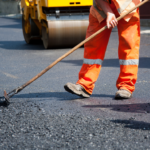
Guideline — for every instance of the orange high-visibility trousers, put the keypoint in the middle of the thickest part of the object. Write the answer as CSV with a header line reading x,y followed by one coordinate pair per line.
x,y
128,51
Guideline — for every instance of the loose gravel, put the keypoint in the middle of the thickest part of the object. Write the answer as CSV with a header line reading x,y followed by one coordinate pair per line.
x,y
24,127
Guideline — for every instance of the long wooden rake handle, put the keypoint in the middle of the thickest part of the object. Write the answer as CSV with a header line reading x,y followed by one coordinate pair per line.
x,y
15,91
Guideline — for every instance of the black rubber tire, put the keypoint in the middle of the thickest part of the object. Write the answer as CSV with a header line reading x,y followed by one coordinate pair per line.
x,y
27,36
34,36
45,38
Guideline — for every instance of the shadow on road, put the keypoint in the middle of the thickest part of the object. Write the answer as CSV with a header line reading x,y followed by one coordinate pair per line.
x,y
132,108
12,23
132,124
21,45
15,26
144,62
34,45
59,95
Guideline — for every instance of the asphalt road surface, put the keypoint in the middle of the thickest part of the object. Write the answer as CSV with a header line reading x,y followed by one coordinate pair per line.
x,y
45,116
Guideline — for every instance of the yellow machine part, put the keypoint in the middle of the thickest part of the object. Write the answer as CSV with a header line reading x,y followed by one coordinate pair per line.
x,y
56,30
66,3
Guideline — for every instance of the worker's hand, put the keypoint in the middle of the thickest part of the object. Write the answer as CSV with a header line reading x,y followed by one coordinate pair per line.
x,y
111,20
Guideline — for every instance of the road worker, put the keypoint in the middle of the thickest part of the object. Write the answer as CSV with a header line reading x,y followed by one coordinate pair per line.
x,y
105,12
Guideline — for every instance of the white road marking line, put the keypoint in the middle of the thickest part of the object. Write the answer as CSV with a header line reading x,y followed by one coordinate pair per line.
x,y
145,32
9,75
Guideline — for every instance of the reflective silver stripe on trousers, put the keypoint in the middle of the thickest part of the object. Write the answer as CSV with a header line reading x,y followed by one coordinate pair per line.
x,y
92,61
129,62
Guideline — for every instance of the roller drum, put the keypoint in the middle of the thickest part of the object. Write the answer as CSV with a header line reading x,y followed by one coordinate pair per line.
x,y
64,33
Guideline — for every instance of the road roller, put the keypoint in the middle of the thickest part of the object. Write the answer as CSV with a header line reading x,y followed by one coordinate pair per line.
x,y
58,23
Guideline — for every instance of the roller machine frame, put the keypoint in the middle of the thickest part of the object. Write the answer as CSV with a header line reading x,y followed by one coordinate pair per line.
x,y
59,23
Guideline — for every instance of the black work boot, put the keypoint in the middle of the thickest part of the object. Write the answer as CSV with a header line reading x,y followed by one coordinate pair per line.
x,y
76,89
123,94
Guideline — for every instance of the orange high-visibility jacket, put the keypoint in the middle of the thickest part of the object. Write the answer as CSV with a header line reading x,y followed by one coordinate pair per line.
x,y
121,5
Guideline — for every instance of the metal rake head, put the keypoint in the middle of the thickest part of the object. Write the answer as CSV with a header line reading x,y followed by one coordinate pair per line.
x,y
6,98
